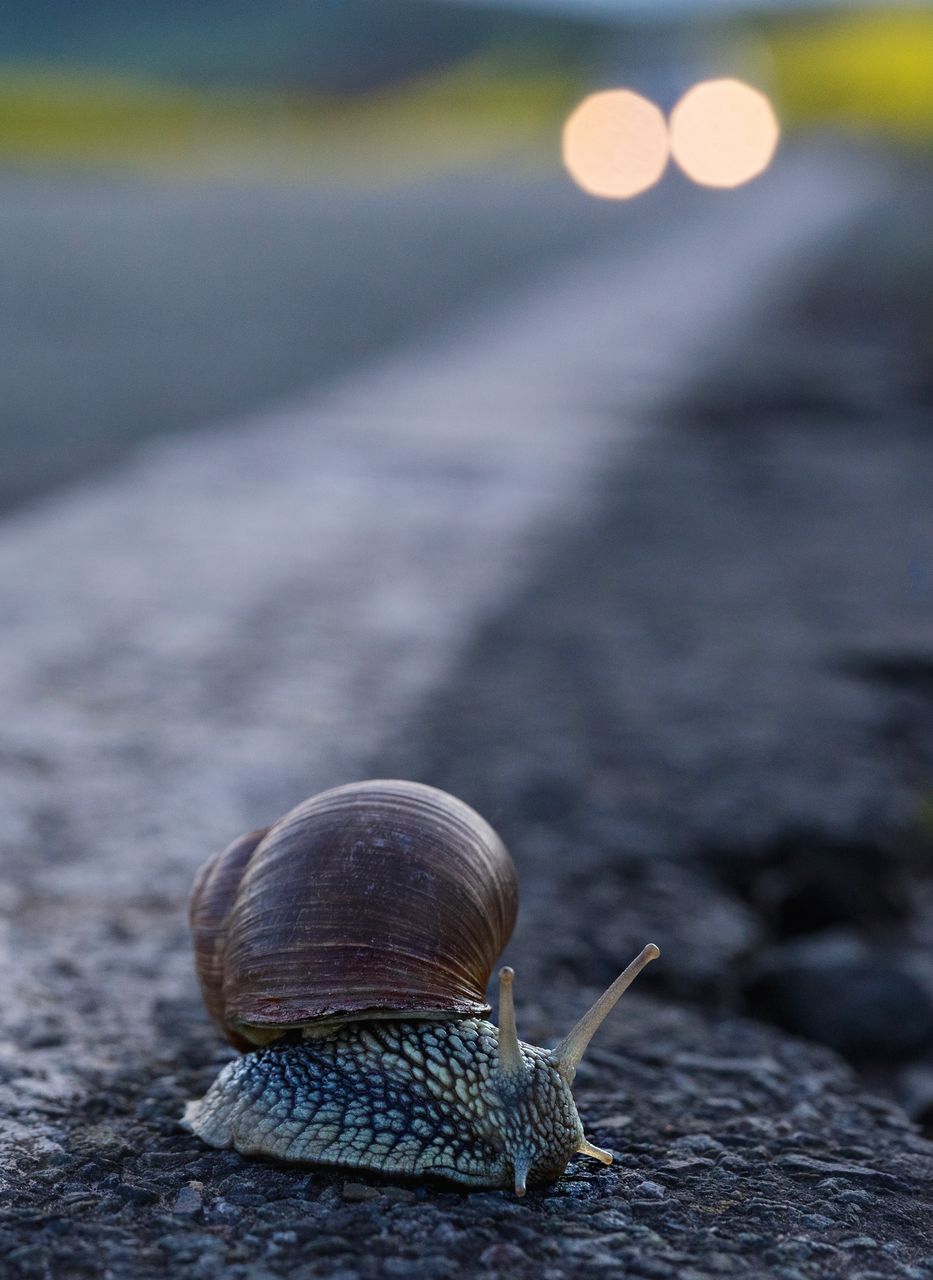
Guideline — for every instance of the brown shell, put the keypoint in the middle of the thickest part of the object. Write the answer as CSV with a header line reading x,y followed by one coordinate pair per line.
x,y
378,899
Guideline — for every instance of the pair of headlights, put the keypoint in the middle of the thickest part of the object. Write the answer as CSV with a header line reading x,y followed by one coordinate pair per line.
x,y
722,133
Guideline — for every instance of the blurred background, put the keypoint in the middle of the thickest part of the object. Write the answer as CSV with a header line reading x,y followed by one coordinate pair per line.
x,y
530,398
207,206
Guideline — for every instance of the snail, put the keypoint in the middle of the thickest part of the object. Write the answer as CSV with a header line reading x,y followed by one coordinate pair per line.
x,y
346,952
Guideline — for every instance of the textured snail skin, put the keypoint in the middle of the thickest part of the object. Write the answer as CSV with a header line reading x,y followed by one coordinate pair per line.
x,y
401,1098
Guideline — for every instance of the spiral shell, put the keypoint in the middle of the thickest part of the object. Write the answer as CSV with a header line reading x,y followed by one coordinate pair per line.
x,y
380,899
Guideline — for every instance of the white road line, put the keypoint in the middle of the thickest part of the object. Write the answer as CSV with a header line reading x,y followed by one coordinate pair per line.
x,y
243,610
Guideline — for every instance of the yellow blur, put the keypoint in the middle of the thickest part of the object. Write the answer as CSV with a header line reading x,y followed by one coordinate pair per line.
x,y
473,113
869,72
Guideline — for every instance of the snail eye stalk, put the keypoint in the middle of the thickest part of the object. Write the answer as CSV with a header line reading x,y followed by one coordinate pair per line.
x,y
566,1057
510,1055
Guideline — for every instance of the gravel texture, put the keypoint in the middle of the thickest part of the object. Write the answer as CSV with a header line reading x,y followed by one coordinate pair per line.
x,y
709,696
737,1151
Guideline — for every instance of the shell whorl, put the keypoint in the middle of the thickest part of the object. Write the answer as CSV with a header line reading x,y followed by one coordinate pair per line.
x,y
381,899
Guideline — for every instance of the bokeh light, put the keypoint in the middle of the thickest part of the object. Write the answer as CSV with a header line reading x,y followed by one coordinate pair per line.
x,y
615,144
723,133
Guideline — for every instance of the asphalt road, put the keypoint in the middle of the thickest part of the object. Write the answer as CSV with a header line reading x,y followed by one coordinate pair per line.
x,y
622,557
129,310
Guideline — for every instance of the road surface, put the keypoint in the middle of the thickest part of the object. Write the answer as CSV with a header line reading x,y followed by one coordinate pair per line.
x,y
133,309
514,559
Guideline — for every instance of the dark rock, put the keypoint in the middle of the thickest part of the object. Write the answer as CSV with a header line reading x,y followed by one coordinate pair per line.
x,y
135,1194
842,992
805,882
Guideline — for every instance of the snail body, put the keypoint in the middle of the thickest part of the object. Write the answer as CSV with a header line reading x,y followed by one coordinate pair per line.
x,y
346,952
404,1098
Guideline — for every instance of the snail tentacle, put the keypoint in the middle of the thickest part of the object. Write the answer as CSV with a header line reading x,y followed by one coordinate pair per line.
x,y
566,1057
510,1055
598,1153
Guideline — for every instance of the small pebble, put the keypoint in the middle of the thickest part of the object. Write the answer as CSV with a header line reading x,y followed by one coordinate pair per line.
x,y
816,1221
188,1200
357,1192
650,1191
225,1211
398,1195
134,1194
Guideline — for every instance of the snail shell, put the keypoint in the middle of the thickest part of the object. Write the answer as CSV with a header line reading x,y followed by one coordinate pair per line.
x,y
381,899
